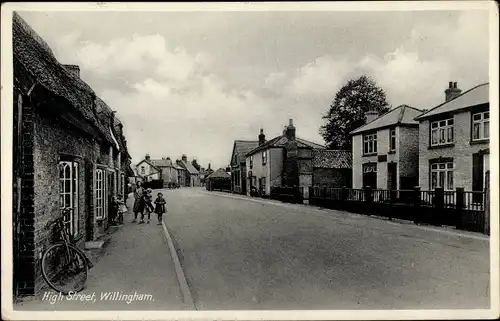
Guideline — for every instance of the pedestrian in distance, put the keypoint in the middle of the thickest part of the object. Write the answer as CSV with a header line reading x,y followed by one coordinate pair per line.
x,y
138,200
148,204
122,209
160,207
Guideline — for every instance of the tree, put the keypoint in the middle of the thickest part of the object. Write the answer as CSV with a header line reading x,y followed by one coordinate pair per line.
x,y
195,164
347,111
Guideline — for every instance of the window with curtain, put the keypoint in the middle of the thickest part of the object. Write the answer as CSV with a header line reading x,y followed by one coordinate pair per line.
x,y
481,126
442,132
442,175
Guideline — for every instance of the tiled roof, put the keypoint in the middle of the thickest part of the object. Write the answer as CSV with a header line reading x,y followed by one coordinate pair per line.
x,y
475,96
220,173
402,114
281,140
242,147
36,57
189,167
162,162
149,163
323,158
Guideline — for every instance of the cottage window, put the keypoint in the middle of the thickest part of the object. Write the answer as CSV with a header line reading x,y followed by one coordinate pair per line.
x,y
100,192
143,170
264,157
392,140
251,161
68,194
481,126
442,175
442,132
370,144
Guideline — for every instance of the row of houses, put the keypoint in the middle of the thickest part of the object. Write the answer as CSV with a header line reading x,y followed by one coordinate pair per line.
x,y
173,173
69,151
286,160
446,146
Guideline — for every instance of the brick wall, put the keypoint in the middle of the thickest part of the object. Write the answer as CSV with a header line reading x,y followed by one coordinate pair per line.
x,y
331,177
275,159
408,145
461,152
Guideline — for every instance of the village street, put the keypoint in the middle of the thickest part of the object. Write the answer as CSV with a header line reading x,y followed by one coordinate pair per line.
x,y
258,254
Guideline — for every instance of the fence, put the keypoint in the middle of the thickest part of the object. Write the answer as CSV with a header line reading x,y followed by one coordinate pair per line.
x,y
465,210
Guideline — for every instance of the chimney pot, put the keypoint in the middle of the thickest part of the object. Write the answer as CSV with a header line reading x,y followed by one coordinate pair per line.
x,y
455,85
290,122
451,84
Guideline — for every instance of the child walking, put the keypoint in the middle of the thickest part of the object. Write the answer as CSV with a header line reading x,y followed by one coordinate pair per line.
x,y
148,199
160,207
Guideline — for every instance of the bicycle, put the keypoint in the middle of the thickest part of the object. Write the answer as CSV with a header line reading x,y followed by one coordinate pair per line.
x,y
64,266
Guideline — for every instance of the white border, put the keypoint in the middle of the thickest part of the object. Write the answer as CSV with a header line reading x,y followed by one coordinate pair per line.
x,y
6,139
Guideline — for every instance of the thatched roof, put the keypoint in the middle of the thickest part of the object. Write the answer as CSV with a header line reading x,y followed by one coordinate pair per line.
x,y
219,174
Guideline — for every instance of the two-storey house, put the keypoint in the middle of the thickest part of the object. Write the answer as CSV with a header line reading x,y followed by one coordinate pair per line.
x,y
238,162
192,175
454,140
169,171
385,150
285,160
147,171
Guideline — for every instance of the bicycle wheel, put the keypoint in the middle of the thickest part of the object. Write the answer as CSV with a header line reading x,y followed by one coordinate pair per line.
x,y
64,272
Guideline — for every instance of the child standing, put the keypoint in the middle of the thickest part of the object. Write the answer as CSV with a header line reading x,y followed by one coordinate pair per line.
x,y
122,209
160,207
148,200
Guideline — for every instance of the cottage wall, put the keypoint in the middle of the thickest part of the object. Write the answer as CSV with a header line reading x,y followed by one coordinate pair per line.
x,y
275,160
407,148
53,141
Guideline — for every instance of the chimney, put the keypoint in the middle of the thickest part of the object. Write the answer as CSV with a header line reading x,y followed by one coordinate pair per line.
x,y
290,130
452,91
147,157
371,115
73,69
168,158
262,137
209,166
184,158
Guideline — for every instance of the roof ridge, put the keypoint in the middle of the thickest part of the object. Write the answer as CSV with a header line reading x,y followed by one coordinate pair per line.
x,y
444,103
386,113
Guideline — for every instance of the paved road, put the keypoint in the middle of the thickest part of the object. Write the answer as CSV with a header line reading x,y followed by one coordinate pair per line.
x,y
243,254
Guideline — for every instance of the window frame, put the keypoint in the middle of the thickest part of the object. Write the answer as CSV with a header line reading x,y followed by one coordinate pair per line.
x,y
442,131
143,170
70,222
445,170
251,161
264,157
370,140
392,136
100,185
481,124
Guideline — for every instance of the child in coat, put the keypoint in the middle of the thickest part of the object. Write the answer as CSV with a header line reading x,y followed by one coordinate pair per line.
x,y
122,209
160,207
148,200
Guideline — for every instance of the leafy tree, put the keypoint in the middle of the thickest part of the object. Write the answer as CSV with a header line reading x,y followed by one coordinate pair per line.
x,y
347,111
195,164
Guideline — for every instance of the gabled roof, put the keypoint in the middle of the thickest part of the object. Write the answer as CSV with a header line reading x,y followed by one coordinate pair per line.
x,y
281,140
402,114
189,167
242,147
475,96
220,173
324,158
149,163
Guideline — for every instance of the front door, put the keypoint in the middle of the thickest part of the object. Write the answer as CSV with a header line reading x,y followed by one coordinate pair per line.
x,y
477,176
370,175
392,182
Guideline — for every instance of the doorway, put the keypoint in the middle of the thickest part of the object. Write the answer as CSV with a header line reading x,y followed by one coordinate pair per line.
x,y
392,183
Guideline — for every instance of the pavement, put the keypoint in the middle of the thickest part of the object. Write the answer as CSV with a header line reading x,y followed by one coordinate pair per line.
x,y
136,264
242,253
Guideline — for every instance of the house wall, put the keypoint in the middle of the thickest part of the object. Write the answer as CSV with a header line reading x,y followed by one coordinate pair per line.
x,y
275,160
149,171
407,148
461,151
305,167
258,170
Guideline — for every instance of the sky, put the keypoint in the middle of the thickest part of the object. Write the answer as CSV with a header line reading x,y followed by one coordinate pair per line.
x,y
193,82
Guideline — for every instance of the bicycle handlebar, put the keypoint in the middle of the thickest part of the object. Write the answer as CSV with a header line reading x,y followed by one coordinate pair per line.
x,y
60,218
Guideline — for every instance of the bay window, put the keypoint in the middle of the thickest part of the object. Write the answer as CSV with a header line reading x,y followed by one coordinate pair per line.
x,y
481,126
442,132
